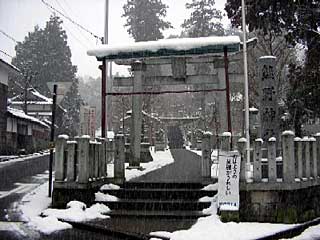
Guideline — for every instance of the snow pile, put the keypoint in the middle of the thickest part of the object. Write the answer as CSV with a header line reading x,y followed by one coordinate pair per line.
x,y
211,187
207,227
35,203
78,212
110,187
48,225
20,114
310,233
206,199
105,197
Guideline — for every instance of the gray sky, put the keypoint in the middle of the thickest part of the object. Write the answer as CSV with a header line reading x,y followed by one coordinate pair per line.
x,y
18,17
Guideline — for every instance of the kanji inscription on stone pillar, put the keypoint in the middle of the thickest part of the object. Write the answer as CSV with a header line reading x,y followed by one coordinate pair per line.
x,y
268,98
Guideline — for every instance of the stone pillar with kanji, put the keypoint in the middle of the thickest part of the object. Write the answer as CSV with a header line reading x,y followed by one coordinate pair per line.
x,y
268,98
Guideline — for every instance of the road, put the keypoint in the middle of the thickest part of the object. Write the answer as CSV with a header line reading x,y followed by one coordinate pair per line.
x,y
17,178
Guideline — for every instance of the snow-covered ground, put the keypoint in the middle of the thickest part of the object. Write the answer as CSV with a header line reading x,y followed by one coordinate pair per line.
x,y
212,228
160,159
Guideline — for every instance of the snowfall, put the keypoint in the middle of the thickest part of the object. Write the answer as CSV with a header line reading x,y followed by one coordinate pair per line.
x,y
36,212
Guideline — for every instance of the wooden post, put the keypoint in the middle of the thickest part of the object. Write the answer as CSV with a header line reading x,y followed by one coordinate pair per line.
x,y
83,158
119,159
257,156
226,70
288,156
242,150
61,145
298,145
306,157
314,170
91,160
71,167
272,164
206,156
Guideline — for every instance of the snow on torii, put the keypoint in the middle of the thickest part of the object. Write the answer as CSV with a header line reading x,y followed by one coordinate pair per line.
x,y
167,48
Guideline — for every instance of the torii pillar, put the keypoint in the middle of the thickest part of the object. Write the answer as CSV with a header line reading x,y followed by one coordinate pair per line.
x,y
138,69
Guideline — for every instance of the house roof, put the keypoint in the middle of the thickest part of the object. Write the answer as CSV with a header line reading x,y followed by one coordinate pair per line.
x,y
167,47
9,67
34,97
20,114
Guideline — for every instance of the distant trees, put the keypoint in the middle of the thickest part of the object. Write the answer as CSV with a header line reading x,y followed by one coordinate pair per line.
x,y
44,56
205,19
144,19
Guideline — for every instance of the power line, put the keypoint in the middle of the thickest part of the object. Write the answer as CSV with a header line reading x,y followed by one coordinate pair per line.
x,y
8,36
68,15
71,33
72,21
5,53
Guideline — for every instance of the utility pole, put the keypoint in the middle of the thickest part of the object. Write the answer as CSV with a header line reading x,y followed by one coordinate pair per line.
x,y
246,85
54,103
104,72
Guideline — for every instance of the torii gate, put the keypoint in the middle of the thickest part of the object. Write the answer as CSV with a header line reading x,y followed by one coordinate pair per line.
x,y
203,62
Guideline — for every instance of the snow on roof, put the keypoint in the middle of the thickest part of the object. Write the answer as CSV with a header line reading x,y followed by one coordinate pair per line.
x,y
20,114
39,95
41,99
9,66
167,47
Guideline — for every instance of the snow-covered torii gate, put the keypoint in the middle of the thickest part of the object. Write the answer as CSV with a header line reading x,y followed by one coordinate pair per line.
x,y
203,62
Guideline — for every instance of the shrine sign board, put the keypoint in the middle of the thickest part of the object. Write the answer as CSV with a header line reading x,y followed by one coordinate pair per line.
x,y
228,181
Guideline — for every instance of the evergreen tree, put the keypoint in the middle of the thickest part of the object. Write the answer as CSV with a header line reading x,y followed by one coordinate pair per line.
x,y
205,19
71,102
145,19
298,21
44,56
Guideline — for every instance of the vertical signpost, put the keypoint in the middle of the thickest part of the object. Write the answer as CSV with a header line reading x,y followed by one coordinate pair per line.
x,y
54,102
228,183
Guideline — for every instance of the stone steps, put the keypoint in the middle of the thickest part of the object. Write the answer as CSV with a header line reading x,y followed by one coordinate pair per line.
x,y
158,200
160,194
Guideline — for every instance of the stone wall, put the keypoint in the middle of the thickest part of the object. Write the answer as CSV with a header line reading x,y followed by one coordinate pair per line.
x,y
280,206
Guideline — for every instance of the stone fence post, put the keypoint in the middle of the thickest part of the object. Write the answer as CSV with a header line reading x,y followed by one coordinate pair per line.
x,y
306,156
119,159
102,159
242,150
83,158
206,155
60,158
288,156
298,157
313,143
71,165
272,164
317,136
225,140
257,156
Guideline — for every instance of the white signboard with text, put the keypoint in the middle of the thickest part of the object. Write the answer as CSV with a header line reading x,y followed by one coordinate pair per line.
x,y
228,181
